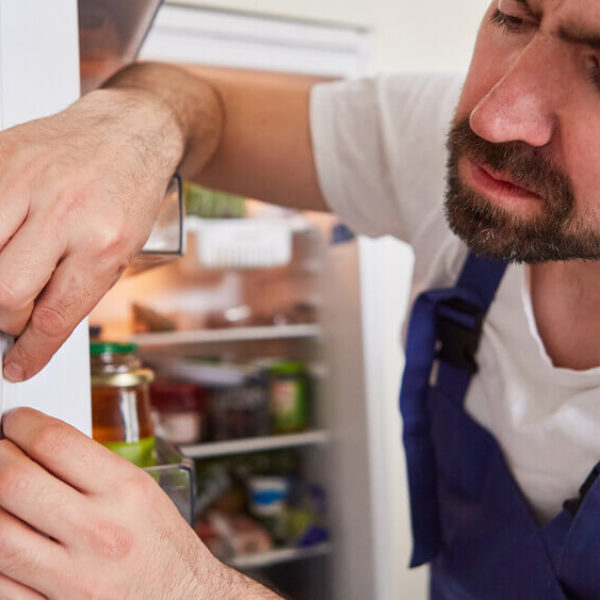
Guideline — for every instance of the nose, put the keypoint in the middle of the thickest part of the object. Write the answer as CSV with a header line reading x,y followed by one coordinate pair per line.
x,y
519,105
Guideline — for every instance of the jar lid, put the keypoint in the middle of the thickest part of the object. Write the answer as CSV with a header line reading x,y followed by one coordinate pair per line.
x,y
177,397
127,379
97,348
288,368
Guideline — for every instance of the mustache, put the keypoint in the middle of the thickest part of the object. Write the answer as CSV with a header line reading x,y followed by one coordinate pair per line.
x,y
522,162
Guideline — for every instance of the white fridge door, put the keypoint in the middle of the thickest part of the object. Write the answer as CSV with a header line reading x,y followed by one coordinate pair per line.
x,y
39,75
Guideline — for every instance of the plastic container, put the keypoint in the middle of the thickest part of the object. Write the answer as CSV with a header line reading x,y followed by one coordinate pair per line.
x,y
121,414
241,243
180,411
289,401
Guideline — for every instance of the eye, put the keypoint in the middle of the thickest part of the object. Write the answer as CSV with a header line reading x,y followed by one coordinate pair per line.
x,y
593,67
508,22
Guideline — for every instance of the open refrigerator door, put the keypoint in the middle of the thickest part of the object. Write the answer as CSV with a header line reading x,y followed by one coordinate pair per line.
x,y
61,389
29,73
109,34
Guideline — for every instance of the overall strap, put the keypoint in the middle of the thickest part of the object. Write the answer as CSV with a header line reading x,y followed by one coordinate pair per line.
x,y
445,325
460,324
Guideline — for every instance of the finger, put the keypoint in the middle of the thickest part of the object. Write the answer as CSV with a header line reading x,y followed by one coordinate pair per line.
x,y
28,558
38,498
70,296
26,264
11,590
63,450
14,207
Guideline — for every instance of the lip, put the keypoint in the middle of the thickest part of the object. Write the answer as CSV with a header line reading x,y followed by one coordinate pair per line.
x,y
499,188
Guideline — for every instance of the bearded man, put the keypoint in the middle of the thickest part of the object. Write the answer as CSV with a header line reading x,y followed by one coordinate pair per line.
x,y
502,383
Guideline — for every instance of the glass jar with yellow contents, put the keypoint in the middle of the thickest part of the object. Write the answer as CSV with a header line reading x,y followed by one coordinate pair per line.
x,y
121,417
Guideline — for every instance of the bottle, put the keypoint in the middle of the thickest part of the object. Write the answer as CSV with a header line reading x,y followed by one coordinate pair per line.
x,y
289,402
121,414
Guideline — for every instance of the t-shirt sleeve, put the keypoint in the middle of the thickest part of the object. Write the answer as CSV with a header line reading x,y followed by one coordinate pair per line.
x,y
380,151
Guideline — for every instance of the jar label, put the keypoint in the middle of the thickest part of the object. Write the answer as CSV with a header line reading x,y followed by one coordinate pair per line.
x,y
141,454
288,405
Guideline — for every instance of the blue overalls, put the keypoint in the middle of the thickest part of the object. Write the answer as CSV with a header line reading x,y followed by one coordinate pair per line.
x,y
470,520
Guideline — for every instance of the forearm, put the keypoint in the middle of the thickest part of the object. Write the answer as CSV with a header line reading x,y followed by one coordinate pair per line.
x,y
239,131
240,587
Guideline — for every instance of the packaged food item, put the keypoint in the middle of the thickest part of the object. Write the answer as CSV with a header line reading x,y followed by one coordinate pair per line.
x,y
212,204
298,312
146,320
307,515
228,535
235,316
289,401
179,411
268,504
240,411
121,414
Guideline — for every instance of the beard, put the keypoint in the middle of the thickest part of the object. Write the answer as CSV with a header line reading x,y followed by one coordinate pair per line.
x,y
492,231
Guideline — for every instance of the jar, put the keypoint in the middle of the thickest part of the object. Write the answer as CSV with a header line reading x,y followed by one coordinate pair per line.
x,y
121,415
241,411
289,403
179,410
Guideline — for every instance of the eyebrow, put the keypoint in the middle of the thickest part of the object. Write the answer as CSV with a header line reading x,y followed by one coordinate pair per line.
x,y
572,34
579,35
536,13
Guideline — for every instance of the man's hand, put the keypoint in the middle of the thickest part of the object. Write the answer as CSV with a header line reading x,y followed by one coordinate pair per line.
x,y
77,521
79,192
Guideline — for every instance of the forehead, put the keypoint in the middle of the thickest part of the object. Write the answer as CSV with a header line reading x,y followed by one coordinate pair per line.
x,y
582,11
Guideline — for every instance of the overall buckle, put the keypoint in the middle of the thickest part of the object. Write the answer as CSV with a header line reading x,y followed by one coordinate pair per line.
x,y
574,504
458,328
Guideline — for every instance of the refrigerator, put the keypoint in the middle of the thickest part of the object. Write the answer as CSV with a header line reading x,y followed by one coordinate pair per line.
x,y
360,285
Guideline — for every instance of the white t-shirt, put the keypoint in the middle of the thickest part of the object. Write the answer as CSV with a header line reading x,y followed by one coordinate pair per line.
x,y
380,147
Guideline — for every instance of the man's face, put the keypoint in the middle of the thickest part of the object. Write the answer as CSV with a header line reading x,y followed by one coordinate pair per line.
x,y
524,168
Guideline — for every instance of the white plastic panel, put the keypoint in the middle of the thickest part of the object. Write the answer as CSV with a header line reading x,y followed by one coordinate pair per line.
x,y
218,38
39,75
62,389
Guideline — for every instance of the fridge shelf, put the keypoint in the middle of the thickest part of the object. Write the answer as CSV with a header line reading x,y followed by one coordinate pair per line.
x,y
275,557
234,334
259,444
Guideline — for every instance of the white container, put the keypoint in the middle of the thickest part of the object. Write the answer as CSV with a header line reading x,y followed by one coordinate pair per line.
x,y
241,243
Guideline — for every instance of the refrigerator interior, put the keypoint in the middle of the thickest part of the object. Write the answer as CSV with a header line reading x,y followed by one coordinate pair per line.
x,y
187,292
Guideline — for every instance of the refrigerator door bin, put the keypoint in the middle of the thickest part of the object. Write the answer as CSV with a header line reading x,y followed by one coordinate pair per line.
x,y
175,475
166,242
111,33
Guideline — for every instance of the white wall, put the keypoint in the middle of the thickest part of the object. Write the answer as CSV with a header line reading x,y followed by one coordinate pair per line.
x,y
408,34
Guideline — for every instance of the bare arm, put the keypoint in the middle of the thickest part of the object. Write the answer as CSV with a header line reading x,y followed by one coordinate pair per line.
x,y
246,132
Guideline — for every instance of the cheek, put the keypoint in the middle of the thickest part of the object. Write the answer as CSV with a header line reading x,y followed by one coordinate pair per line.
x,y
581,155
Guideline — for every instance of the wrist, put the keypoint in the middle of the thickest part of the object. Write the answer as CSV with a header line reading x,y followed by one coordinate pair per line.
x,y
189,108
218,580
133,122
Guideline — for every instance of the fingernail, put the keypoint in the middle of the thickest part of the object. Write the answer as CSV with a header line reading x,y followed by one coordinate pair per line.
x,y
14,372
